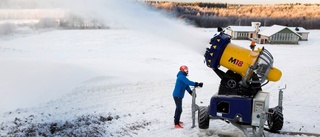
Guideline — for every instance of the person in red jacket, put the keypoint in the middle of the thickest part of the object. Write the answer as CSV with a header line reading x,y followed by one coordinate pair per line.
x,y
182,84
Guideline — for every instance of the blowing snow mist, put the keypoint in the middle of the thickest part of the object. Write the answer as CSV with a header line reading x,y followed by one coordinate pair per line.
x,y
128,14
123,14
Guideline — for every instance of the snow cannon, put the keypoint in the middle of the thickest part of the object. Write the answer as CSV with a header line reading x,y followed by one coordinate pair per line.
x,y
241,60
240,99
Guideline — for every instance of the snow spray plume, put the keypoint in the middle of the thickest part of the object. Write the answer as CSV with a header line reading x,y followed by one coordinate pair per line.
x,y
130,14
138,16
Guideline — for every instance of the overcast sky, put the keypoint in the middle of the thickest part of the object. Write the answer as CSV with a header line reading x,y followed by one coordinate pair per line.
x,y
249,1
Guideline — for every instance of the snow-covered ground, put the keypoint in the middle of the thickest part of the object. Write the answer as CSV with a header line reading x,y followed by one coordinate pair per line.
x,y
61,75
119,82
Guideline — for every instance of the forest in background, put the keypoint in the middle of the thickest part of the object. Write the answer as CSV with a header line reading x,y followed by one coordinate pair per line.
x,y
205,15
208,15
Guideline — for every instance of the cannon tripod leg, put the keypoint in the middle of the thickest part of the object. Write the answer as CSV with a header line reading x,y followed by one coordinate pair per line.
x,y
194,107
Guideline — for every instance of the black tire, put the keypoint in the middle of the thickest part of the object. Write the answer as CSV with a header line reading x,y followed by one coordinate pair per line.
x,y
203,117
275,119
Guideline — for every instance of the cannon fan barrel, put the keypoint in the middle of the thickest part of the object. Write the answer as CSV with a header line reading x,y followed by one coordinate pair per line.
x,y
241,60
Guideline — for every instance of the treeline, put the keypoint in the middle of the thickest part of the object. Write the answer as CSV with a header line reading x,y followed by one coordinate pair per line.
x,y
202,4
209,15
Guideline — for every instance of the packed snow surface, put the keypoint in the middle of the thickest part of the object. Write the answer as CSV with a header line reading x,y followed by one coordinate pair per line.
x,y
61,75
119,81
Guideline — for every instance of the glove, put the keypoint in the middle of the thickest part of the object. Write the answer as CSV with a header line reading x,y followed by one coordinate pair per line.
x,y
200,84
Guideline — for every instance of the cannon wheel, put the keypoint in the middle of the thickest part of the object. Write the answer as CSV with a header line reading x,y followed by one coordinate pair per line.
x,y
203,117
275,119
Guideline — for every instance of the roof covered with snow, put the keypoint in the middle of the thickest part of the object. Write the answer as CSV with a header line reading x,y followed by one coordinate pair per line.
x,y
275,29
267,31
298,29
272,30
242,28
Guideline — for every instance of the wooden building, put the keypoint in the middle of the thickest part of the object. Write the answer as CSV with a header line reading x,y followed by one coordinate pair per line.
x,y
275,34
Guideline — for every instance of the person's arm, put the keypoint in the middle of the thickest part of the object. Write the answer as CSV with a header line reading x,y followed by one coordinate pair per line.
x,y
185,80
189,90
188,82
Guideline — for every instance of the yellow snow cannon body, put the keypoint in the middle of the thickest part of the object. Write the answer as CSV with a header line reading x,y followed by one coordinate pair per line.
x,y
241,60
240,98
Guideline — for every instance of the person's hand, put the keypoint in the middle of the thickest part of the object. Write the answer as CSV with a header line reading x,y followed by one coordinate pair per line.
x,y
198,84
201,84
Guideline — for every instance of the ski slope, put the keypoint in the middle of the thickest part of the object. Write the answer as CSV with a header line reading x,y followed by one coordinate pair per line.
x,y
119,81
61,75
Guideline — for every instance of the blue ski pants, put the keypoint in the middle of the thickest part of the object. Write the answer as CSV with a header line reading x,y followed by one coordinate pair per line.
x,y
178,111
